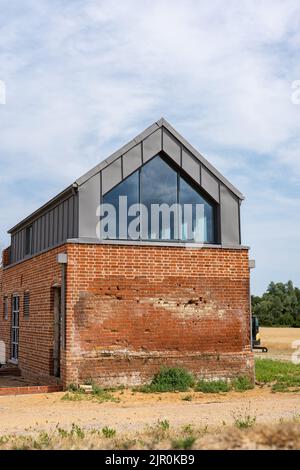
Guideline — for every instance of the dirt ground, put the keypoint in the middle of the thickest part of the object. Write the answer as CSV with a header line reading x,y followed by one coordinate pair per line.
x,y
26,413
279,342
137,410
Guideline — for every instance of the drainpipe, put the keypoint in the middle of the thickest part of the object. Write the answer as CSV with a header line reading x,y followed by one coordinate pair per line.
x,y
62,259
251,266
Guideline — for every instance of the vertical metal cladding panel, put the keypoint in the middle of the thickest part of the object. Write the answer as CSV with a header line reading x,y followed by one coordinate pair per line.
x,y
51,227
42,245
65,219
16,246
89,200
230,219
70,217
47,216
22,243
60,222
55,225
35,236
75,215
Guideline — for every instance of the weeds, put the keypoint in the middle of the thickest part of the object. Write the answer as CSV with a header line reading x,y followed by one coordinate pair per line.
x,y
173,379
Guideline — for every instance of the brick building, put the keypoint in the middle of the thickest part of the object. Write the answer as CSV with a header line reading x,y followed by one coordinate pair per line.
x,y
82,300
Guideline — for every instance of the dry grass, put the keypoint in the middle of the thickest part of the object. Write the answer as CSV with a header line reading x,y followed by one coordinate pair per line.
x,y
162,436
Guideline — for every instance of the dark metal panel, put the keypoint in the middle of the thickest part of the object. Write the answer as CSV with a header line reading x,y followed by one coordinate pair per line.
x,y
70,217
191,165
35,236
75,215
60,222
89,200
47,217
42,245
50,228
132,160
111,176
210,184
152,145
65,219
17,246
38,244
22,244
229,217
55,225
171,146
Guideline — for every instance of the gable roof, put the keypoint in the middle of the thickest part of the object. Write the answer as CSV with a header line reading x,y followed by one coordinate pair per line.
x,y
162,123
160,136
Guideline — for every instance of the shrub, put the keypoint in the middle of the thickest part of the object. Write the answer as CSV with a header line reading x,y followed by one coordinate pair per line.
x,y
170,380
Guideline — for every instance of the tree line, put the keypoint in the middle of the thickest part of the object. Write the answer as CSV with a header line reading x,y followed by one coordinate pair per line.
x,y
278,306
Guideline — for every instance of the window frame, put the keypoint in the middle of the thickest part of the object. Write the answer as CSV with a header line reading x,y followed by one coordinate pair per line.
x,y
180,174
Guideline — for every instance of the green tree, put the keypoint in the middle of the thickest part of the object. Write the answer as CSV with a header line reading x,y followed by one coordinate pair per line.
x,y
278,306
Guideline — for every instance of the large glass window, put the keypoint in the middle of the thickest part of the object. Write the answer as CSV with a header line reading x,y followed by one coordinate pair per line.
x,y
157,203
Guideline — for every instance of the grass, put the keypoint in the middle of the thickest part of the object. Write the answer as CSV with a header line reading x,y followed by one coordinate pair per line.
x,y
282,376
221,386
98,394
173,379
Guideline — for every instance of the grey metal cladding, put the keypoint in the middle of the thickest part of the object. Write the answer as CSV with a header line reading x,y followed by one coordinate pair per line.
x,y
70,217
89,200
51,227
152,145
210,184
191,165
47,229
65,219
55,225
132,160
111,175
60,222
230,224
172,146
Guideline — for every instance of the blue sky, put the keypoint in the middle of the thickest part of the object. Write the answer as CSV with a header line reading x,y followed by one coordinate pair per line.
x,y
85,76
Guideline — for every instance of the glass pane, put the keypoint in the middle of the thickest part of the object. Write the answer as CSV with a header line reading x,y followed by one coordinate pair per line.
x,y
159,186
130,188
198,220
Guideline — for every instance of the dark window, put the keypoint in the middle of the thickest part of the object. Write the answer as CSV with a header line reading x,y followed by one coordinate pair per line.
x,y
26,304
5,307
175,209
28,240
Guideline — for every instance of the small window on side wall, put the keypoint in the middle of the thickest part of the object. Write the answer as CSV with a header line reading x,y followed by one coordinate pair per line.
x,y
28,241
5,307
26,304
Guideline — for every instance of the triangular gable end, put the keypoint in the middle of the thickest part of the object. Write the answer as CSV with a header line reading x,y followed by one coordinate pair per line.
x,y
159,137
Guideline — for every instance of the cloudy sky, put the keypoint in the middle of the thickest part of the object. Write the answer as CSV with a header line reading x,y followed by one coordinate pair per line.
x,y
85,76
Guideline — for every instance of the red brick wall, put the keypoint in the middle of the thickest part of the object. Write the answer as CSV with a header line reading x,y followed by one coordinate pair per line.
x,y
133,308
37,275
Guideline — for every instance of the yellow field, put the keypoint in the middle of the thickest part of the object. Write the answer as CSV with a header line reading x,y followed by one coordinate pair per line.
x,y
279,341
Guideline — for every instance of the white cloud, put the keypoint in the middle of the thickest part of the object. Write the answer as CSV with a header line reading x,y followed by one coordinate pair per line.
x,y
83,77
